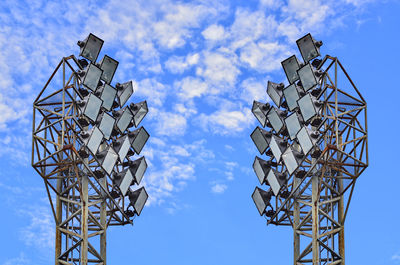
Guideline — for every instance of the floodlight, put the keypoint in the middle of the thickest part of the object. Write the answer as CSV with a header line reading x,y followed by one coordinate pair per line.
x,y
261,139
276,180
139,111
307,77
291,94
293,125
123,180
274,90
268,175
92,139
91,76
137,168
309,48
261,168
90,106
124,117
290,66
309,107
138,139
107,93
107,159
275,118
261,199
106,124
307,139
138,199
90,47
125,90
109,66
260,110
122,146
278,146
292,159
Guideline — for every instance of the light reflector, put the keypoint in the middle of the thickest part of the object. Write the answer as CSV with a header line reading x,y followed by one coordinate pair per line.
x,y
261,139
109,66
106,125
92,77
138,139
291,95
274,117
309,49
125,90
274,90
139,111
292,159
138,199
261,199
290,66
307,77
293,125
90,47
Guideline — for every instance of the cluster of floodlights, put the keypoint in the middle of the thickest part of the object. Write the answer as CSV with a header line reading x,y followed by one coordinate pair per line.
x,y
105,134
294,123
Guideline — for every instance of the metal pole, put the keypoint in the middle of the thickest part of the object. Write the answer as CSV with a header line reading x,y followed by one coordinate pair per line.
x,y
84,221
341,214
58,214
296,222
103,219
315,221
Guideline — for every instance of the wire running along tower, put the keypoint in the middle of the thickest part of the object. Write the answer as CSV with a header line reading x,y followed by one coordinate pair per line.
x,y
316,147
84,148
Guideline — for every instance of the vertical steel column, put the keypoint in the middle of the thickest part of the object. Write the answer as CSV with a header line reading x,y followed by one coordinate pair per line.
x,y
341,211
58,213
315,219
296,222
103,223
84,219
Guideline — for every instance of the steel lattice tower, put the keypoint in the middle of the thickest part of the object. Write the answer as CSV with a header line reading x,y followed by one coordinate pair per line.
x,y
77,151
315,157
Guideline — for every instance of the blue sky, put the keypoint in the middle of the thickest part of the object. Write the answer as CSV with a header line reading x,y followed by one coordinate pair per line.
x,y
199,65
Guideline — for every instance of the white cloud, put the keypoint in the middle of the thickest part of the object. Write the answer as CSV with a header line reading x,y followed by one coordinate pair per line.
x,y
169,123
179,64
226,122
218,188
151,89
214,33
191,87
220,70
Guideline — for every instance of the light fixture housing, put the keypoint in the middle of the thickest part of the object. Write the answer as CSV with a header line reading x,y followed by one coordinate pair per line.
x,y
309,107
260,111
123,180
139,111
274,90
90,107
107,159
124,117
92,139
291,95
91,78
138,168
309,48
90,47
261,139
274,117
138,139
107,93
307,77
124,91
278,146
261,199
290,66
293,125
138,199
122,146
292,159
106,124
307,139
109,66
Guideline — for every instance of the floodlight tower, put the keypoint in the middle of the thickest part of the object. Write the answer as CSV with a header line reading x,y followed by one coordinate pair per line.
x,y
316,147
84,146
